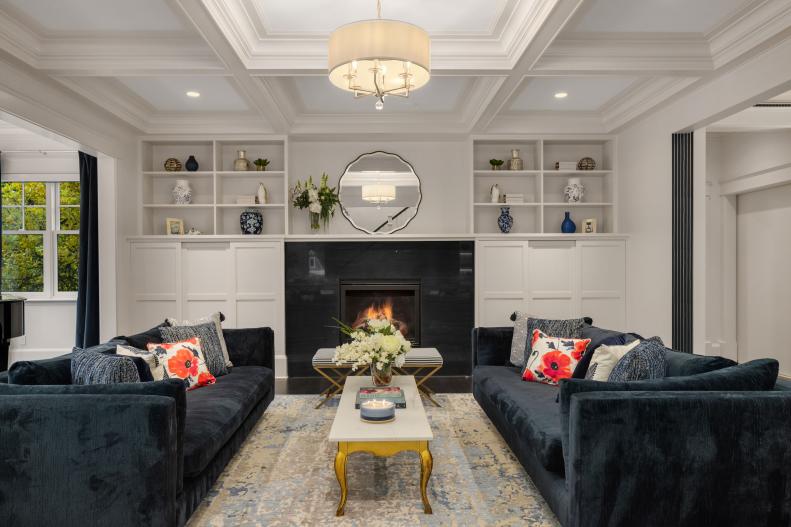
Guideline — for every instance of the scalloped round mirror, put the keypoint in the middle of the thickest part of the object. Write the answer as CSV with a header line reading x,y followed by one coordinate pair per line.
x,y
379,193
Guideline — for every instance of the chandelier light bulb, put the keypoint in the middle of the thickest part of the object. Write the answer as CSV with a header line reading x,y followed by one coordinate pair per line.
x,y
561,95
379,104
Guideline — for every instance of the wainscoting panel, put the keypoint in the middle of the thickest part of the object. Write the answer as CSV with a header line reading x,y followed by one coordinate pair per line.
x,y
603,282
156,283
503,288
553,279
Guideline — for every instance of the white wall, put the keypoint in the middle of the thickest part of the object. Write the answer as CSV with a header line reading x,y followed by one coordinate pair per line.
x,y
442,166
764,283
644,166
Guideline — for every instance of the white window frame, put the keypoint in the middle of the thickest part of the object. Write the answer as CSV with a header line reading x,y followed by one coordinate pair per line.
x,y
50,235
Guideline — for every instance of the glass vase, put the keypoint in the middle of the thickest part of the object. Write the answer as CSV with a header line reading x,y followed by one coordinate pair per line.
x,y
382,377
314,221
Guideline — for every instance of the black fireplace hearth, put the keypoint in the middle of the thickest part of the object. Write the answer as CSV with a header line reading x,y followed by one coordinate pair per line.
x,y
428,286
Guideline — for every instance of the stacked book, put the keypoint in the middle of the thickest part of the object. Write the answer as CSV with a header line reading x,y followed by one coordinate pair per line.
x,y
566,165
245,200
514,198
394,394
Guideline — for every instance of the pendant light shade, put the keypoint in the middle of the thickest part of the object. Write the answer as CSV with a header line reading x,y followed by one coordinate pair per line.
x,y
379,193
379,58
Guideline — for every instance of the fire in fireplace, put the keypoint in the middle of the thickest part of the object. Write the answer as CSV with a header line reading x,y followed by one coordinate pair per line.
x,y
398,302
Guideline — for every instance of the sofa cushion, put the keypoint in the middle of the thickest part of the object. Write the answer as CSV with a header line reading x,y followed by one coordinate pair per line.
x,y
598,337
756,375
683,364
89,366
215,412
529,407
47,371
142,340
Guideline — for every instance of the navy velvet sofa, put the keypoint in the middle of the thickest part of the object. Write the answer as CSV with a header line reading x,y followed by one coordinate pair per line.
x,y
678,451
124,454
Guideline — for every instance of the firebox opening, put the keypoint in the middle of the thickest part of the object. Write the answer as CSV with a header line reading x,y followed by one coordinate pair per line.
x,y
398,302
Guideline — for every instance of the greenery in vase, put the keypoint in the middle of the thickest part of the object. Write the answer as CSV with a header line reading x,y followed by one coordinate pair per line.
x,y
320,201
261,163
375,342
496,163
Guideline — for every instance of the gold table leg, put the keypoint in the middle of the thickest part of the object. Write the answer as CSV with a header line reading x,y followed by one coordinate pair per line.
x,y
384,449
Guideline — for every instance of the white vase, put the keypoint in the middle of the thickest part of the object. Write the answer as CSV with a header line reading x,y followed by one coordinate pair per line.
x,y
574,190
495,193
182,192
262,195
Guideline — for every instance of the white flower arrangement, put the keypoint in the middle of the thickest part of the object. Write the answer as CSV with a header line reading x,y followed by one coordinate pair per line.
x,y
376,342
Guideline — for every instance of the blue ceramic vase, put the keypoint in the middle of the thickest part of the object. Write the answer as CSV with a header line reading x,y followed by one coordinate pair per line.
x,y
568,226
191,165
505,221
251,222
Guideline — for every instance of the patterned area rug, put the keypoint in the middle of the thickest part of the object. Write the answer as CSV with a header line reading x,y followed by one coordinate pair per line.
x,y
284,475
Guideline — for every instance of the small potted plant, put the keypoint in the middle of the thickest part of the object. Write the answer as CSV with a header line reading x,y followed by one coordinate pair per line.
x,y
496,163
261,164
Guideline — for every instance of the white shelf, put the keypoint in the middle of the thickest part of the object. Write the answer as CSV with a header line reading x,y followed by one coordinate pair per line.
x,y
254,206
582,204
251,173
507,204
180,174
580,173
506,173
175,206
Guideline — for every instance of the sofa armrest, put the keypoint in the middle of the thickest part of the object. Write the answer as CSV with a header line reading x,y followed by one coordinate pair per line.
x,y
491,346
251,346
75,460
679,458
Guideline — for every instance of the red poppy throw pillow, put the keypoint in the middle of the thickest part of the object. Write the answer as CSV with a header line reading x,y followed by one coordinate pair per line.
x,y
552,358
184,360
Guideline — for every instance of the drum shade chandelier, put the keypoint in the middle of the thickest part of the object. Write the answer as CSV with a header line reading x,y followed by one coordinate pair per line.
x,y
379,58
379,193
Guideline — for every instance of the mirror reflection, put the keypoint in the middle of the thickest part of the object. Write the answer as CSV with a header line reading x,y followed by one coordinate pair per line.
x,y
379,193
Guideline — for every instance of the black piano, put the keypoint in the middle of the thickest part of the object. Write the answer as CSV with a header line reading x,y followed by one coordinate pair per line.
x,y
12,315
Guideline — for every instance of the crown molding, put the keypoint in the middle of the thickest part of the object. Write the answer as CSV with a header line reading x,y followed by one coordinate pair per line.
x,y
627,52
748,30
754,119
640,98
260,51
540,122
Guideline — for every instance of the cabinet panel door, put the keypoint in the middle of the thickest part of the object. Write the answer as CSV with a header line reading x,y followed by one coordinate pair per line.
x,y
206,279
501,281
155,284
552,275
603,286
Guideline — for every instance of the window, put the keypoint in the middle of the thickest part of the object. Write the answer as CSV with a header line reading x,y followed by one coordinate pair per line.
x,y
41,241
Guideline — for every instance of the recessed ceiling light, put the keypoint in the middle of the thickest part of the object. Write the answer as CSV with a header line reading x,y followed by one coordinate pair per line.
x,y
561,95
193,94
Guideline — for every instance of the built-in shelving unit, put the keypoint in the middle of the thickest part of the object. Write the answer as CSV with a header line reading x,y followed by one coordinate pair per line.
x,y
541,184
215,185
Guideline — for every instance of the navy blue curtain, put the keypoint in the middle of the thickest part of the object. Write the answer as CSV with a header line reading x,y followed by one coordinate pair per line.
x,y
88,285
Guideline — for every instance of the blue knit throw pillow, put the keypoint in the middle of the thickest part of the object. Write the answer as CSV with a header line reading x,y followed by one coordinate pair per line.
x,y
645,361
92,367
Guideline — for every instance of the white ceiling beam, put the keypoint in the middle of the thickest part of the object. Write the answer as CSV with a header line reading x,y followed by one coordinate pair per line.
x,y
251,89
554,21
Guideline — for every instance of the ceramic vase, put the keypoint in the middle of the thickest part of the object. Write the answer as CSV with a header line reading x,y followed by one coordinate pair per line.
x,y
574,190
251,221
382,377
494,193
568,226
192,164
262,194
515,163
241,164
505,221
182,192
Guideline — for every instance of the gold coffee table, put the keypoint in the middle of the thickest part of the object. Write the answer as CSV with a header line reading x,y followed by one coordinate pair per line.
x,y
410,431
421,363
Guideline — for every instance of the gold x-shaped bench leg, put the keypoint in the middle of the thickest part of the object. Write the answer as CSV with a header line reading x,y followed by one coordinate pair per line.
x,y
336,383
424,390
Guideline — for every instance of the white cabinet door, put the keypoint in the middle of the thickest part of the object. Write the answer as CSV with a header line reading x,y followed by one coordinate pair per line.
x,y
501,281
603,282
553,279
156,283
206,280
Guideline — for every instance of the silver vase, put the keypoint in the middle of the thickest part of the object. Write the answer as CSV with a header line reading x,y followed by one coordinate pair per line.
x,y
515,163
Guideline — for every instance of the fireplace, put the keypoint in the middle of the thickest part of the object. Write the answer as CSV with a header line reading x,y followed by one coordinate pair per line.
x,y
395,300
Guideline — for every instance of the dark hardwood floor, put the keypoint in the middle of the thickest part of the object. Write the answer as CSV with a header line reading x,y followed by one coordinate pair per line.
x,y
311,385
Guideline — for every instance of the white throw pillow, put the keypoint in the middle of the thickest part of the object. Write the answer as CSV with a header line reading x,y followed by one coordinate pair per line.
x,y
152,361
605,358
214,317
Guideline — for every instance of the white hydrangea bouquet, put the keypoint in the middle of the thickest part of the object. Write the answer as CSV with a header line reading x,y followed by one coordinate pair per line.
x,y
376,343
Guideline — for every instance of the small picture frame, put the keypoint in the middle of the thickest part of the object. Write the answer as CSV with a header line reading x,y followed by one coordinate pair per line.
x,y
589,226
174,226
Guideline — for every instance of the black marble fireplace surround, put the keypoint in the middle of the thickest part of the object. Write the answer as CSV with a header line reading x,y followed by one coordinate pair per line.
x,y
443,270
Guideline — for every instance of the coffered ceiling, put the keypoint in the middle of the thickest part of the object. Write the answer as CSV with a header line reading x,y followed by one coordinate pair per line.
x,y
260,65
